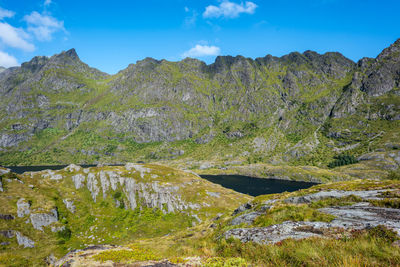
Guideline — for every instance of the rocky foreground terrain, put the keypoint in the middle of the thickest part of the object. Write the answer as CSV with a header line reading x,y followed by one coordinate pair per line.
x,y
151,215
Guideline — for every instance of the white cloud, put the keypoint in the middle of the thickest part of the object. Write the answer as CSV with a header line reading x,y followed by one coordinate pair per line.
x,y
14,37
43,26
47,2
202,51
7,60
229,9
4,13
190,21
187,9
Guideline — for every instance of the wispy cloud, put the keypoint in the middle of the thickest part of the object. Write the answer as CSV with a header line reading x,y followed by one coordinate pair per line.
x,y
7,60
191,19
229,9
15,37
47,2
43,26
202,51
4,13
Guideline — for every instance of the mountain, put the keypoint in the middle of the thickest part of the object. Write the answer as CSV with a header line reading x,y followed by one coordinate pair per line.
x,y
301,108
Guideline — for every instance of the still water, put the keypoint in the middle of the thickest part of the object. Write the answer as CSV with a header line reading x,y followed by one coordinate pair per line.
x,y
256,186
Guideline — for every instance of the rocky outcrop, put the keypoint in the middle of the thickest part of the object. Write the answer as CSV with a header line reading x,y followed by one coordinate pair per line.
x,y
78,180
52,175
24,241
23,207
358,216
69,204
365,195
39,220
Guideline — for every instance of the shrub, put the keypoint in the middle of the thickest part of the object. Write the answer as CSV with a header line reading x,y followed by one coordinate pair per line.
x,y
393,175
382,232
342,160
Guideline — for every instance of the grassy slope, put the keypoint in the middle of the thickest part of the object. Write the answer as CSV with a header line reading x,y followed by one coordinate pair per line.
x,y
101,222
373,247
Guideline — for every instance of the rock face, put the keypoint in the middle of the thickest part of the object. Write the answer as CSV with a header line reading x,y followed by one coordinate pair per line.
x,y
24,241
23,207
39,220
70,205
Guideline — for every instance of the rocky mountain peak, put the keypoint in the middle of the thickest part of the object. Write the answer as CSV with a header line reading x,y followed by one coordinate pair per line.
x,y
35,64
69,57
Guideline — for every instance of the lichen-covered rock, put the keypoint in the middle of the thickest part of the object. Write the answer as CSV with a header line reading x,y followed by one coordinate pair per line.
x,y
73,168
105,183
213,194
24,241
23,207
52,175
92,185
371,194
69,204
78,180
39,220
247,218
56,229
142,170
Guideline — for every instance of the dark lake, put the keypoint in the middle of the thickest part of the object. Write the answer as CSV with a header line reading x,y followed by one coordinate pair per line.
x,y
256,186
22,169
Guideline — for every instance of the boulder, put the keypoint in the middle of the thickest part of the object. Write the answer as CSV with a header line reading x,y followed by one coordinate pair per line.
x,y
39,220
24,241
23,207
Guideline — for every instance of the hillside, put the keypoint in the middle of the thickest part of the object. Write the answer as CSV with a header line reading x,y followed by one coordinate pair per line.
x,y
299,109
45,214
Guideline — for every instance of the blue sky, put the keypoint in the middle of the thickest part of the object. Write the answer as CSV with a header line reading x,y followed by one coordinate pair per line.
x,y
109,35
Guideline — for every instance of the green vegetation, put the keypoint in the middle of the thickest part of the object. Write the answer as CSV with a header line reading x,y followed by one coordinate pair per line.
x,y
342,160
284,213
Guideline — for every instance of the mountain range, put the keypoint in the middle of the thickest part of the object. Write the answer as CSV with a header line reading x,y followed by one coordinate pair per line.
x,y
298,109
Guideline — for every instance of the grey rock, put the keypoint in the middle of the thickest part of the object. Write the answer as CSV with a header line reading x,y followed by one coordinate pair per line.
x,y
91,185
73,168
213,194
78,180
371,194
23,207
69,204
39,220
51,260
7,233
242,208
56,229
358,216
271,234
24,241
247,218
206,165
